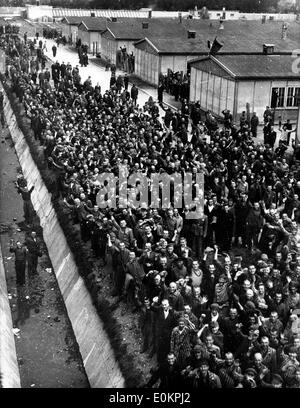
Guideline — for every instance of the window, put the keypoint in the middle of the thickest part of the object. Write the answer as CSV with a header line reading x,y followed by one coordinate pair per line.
x,y
231,15
293,97
218,14
277,99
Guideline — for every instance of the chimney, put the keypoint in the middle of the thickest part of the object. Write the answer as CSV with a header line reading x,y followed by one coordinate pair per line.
x,y
114,19
145,25
284,31
180,17
224,13
221,24
191,34
150,14
268,49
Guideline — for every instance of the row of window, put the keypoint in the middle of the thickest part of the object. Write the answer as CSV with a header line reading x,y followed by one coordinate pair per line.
x,y
285,97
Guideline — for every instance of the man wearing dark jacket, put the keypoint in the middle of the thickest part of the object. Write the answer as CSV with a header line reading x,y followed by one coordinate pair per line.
x,y
166,320
168,373
20,252
34,251
254,224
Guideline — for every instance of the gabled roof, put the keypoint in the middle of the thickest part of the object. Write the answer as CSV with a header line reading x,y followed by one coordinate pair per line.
x,y
72,20
94,23
181,46
250,66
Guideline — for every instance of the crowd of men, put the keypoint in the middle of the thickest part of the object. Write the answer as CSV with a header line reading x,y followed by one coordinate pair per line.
x,y
218,296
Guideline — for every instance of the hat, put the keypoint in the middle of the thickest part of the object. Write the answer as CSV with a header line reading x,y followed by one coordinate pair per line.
x,y
250,371
277,379
264,257
214,306
249,305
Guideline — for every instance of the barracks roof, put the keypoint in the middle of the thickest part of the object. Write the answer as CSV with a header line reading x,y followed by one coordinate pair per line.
x,y
236,37
249,66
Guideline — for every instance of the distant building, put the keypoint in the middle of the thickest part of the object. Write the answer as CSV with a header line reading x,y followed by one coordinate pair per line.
x,y
69,27
233,81
90,31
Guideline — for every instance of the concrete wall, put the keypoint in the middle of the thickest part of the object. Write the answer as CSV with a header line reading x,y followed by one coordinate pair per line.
x,y
98,357
9,369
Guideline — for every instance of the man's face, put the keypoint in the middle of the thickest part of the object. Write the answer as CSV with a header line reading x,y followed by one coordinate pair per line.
x,y
157,279
171,359
163,262
246,285
293,356
165,304
252,269
229,359
123,224
273,317
181,324
249,294
211,269
195,265
131,256
296,342
232,313
257,360
173,287
265,343
170,250
209,341
204,369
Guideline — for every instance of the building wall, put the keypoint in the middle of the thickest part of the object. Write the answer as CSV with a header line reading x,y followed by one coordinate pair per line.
x,y
174,62
110,46
84,36
215,93
109,49
38,12
146,66
258,95
74,33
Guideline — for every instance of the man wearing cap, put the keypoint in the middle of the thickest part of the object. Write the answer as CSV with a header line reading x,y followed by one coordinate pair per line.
x,y
205,379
